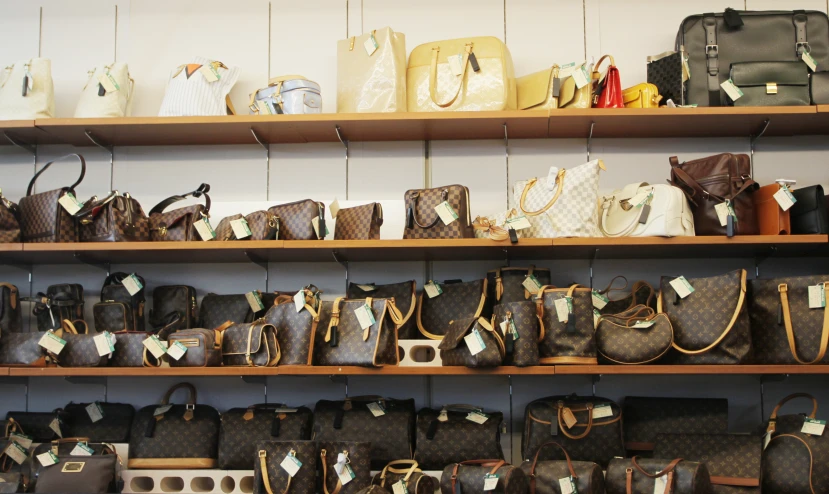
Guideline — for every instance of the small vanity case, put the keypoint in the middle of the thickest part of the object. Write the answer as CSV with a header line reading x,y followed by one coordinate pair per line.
x,y
292,94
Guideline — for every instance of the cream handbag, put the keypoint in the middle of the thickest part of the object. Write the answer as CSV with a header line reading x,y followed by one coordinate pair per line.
x,y
564,204
554,87
461,75
27,91
99,102
200,88
371,72
642,210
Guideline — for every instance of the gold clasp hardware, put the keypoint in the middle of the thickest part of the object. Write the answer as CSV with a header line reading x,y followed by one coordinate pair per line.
x,y
771,88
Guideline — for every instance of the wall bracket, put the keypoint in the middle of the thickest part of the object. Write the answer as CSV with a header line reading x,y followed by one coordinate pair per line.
x,y
344,142
30,148
104,266
595,379
266,146
255,259
759,259
108,148
752,142
590,140
339,379
342,263
593,260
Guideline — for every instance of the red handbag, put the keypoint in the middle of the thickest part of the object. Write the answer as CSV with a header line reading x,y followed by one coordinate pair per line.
x,y
608,91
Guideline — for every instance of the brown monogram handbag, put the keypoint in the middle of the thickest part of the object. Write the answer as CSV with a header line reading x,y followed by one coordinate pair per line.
x,y
11,314
115,218
341,341
544,475
88,474
252,344
338,455
711,325
131,352
296,331
9,221
506,285
42,218
459,300
636,336
296,220
784,330
178,225
455,351
359,222
262,225
470,475
204,347
216,309
80,349
449,435
641,293
521,351
647,417
422,221
413,478
405,299
270,478
243,428
22,350
130,314
648,476
573,340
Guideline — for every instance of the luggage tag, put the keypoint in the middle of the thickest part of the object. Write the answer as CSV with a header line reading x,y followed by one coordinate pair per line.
x,y
132,284
177,350
17,453
518,223
724,210
569,419
602,411
477,417
581,77
660,484
599,299
255,301
432,289
596,316
205,230
55,426
21,439
531,283
371,45
813,427
682,287
291,463
817,296
784,197
367,288
490,481
103,343
568,486
82,449
210,73
731,90
376,409
508,327
241,229
343,469
52,343
153,344
70,203
809,60
299,300
365,316
47,459
334,207
473,61
95,412
107,82
399,487
446,212
474,342
162,410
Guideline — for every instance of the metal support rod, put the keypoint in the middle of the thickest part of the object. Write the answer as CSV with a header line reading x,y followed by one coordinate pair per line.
x,y
102,266
267,149
592,260
506,161
511,423
342,263
31,149
344,143
590,140
506,256
340,379
263,380
752,142
108,148
757,260
595,379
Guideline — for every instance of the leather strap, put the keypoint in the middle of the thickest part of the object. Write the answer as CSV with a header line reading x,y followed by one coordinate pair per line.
x,y
535,462
787,319
799,20
339,485
263,466
679,178
709,24
773,418
202,190
47,165
562,425
669,470
811,456
191,401
412,469
433,76
530,184
444,194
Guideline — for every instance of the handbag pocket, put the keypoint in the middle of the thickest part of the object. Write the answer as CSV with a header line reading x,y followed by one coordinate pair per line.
x,y
112,316
771,83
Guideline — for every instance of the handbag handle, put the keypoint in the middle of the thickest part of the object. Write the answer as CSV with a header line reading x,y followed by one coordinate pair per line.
x,y
47,165
773,418
114,279
587,429
412,212
522,205
412,469
811,456
339,486
535,461
787,319
624,231
202,190
596,73
263,464
669,470
191,401
433,76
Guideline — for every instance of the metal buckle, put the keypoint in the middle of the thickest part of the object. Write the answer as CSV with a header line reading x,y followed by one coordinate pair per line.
x,y
190,407
804,44
715,48
771,88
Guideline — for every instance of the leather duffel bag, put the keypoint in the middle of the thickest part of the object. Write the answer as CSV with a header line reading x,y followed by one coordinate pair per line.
x,y
270,477
473,476
656,476
645,418
243,428
408,472
76,472
423,221
457,433
545,475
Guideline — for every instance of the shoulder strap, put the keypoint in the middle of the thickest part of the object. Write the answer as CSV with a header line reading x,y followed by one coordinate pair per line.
x,y
773,418
202,190
47,165
787,319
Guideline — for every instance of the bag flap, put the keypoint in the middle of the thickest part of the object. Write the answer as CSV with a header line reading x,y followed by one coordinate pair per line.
x,y
808,199
760,73
533,89
482,47
175,216
235,338
456,332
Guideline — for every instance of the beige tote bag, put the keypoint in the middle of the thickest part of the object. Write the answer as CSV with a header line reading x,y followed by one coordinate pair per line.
x,y
371,72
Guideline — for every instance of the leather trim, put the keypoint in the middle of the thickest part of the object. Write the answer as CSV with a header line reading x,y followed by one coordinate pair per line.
x,y
568,360
172,463
735,481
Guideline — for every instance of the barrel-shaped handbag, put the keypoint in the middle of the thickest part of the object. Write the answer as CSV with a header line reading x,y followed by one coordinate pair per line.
x,y
455,349
341,459
408,472
341,340
652,475
457,300
423,220
645,418
100,422
80,349
22,350
295,331
167,436
520,329
588,427
405,299
456,433
474,476
270,477
566,316
784,328
711,325
545,476
243,428
637,336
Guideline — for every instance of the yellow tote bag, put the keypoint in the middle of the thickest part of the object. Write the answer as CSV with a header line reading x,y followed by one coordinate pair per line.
x,y
372,82
436,83
536,91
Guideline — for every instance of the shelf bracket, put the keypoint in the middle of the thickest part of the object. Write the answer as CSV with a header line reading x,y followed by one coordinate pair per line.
x,y
342,263
593,260
263,380
506,160
506,256
759,259
344,142
590,140
31,149
104,266
255,259
108,148
752,142
266,146
338,379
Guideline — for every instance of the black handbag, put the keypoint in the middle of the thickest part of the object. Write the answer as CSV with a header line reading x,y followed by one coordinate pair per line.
x,y
87,473
100,422
64,301
39,425
115,291
808,215
243,428
174,308
449,435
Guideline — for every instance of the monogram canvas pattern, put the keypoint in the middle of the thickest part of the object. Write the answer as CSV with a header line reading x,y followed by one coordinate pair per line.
x,y
573,214
295,219
262,225
457,439
11,314
250,344
458,301
176,225
114,427
238,436
512,280
618,342
217,309
358,456
359,223
418,483
21,349
647,417
179,299
699,319
602,442
642,293
380,348
404,297
224,230
202,350
547,473
174,437
391,434
689,477
80,351
97,476
44,220
9,224
525,348
786,460
129,350
566,343
420,208
511,480
112,317
304,482
294,333
454,351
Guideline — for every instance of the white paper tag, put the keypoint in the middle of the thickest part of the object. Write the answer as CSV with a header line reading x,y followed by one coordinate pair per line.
x,y
240,228
443,416
132,284
364,316
210,74
82,449
581,77
432,289
290,464
334,207
399,487
518,223
490,481
162,410
376,409
766,440
477,417
455,64
17,453
532,284
596,316
659,484
299,300
682,287
52,343
69,203
731,90
508,326
809,61
346,475
639,199
602,411
103,343
21,439
566,485
205,230
784,198
813,426
285,410
153,344
474,342
95,412
315,222
599,300
566,70
371,45
367,288
255,301
47,459
55,426
176,350
722,213
563,309
446,213
817,297
642,324
108,82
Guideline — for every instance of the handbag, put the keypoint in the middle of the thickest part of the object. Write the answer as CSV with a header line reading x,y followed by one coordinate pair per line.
x,y
589,428
115,290
571,340
456,433
296,331
43,217
505,285
405,299
262,225
650,475
790,449
521,330
95,473
216,309
342,341
733,460
554,87
472,475
107,93
643,210
168,436
203,347
371,72
490,345
466,74
42,427
342,456
545,476
637,336
270,477
243,428
297,220
711,325
9,221
408,472
496,227
105,423
179,225
389,423
131,352
287,94
251,344
80,349
206,93
667,71
113,317
643,95
710,182
645,418
563,204
423,220
115,218
771,219
11,314
641,293
776,83
22,350
809,215
27,91
63,301
457,300
607,89
359,222
176,301
784,328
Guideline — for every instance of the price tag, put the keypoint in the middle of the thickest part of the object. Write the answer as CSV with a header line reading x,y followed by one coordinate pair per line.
x,y
724,210
474,342
817,297
95,412
346,475
660,484
509,326
16,453
731,90
432,289
21,439
682,287
443,416
255,301
784,198
367,288
376,409
299,300
82,449
564,306
132,284
455,64
766,440
69,203
162,410
153,344
205,230
808,60
241,229
47,459
569,419
176,350
399,487
640,198
490,481
334,207
446,213
52,343
364,316
813,426
55,426
291,464
532,284
602,411
519,223
316,224
108,82
581,77
477,417
103,343
596,316
371,45
642,324
566,70
567,485
599,300
210,73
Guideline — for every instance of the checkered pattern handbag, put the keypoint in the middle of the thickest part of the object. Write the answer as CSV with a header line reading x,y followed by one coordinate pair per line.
x,y
422,221
359,223
178,225
42,217
565,204
9,221
115,218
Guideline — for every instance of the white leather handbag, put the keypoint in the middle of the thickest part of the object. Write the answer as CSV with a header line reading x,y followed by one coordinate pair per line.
x,y
107,93
643,210
564,204
199,88
27,91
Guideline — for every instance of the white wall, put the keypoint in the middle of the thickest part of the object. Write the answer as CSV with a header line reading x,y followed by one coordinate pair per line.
x,y
281,37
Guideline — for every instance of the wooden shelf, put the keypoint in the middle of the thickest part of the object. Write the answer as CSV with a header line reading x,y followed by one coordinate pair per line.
x,y
660,370
25,132
416,250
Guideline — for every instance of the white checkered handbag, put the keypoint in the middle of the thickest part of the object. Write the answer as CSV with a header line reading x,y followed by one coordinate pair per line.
x,y
564,204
